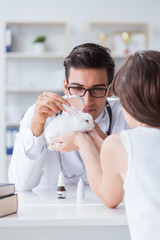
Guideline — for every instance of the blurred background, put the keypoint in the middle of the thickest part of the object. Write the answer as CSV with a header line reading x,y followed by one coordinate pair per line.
x,y
36,36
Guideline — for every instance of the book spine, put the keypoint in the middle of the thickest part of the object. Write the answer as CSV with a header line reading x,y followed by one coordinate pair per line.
x,y
10,139
8,39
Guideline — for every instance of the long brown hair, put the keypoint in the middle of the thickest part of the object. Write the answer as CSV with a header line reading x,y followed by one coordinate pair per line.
x,y
137,84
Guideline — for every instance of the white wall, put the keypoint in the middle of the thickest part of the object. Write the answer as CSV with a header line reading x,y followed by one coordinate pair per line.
x,y
77,14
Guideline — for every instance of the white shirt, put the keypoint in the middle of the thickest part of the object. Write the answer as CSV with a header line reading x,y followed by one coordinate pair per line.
x,y
141,186
33,164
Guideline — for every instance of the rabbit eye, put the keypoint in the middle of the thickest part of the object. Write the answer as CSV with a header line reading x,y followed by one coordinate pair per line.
x,y
87,121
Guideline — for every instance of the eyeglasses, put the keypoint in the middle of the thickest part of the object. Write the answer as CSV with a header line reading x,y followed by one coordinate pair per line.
x,y
97,92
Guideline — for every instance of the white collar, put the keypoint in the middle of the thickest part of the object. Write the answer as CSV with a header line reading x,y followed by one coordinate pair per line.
x,y
98,119
103,120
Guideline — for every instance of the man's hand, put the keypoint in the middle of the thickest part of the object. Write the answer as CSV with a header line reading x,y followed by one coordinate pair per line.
x,y
99,131
47,105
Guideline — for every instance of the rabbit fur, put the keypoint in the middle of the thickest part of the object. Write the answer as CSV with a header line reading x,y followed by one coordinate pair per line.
x,y
64,123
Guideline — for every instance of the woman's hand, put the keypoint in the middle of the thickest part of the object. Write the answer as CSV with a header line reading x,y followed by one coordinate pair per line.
x,y
68,142
73,140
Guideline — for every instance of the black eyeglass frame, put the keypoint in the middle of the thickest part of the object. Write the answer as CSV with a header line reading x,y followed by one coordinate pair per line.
x,y
89,90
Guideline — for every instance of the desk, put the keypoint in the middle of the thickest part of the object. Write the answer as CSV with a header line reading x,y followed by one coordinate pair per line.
x,y
42,216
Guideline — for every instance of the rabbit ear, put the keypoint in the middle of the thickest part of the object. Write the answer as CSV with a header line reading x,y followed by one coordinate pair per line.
x,y
71,110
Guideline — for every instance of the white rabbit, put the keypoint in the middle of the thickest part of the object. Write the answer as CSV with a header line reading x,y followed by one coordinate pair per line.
x,y
64,123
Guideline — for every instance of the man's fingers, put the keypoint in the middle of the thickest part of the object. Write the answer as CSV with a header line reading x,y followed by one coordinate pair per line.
x,y
55,96
52,101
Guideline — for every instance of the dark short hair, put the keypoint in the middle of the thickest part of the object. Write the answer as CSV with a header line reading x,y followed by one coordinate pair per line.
x,y
90,55
137,84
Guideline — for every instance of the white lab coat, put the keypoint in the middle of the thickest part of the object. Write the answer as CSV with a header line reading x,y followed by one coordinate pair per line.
x,y
33,164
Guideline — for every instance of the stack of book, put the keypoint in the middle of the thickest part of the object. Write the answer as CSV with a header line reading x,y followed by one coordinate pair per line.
x,y
8,199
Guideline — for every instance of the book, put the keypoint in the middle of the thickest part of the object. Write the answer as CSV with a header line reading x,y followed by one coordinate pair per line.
x,y
6,189
8,205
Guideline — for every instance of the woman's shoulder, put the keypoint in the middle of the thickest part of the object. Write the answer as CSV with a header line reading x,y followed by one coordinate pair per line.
x,y
112,142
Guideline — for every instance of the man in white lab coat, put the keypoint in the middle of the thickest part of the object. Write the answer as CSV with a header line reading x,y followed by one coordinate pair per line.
x,y
89,71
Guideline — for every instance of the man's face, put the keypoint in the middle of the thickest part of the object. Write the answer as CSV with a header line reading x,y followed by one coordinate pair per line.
x,y
89,78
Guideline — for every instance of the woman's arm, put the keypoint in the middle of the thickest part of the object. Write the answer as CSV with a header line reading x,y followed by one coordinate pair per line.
x,y
113,162
90,153
106,170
